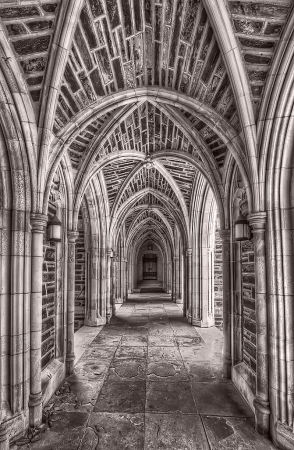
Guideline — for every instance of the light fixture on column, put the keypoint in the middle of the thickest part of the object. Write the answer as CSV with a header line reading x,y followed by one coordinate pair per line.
x,y
55,229
111,253
242,230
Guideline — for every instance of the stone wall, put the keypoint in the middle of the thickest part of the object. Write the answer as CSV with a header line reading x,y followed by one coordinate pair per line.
x,y
80,276
249,316
218,282
48,302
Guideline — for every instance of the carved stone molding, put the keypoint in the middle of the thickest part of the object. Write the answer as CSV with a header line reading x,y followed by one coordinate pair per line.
x,y
257,220
38,222
72,236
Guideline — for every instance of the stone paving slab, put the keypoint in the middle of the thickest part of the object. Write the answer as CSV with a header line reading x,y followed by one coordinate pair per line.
x,y
231,433
169,397
149,381
219,400
174,432
114,431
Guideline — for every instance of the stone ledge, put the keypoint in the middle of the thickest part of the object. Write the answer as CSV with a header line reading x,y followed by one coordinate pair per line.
x,y
52,377
244,380
83,338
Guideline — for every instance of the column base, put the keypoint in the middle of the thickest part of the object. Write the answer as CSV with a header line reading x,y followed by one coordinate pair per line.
x,y
108,317
35,410
70,364
262,417
179,301
4,442
96,322
207,323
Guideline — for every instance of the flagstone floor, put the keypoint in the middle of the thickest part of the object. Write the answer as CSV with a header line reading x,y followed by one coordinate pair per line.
x,y
149,381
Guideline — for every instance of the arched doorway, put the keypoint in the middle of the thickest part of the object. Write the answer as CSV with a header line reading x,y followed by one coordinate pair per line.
x,y
149,266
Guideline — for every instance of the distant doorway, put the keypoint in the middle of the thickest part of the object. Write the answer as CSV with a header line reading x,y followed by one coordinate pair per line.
x,y
149,267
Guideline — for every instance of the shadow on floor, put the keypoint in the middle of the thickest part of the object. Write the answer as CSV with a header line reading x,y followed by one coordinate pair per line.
x,y
148,381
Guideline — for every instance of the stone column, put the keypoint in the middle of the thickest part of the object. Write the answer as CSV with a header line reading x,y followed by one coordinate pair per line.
x,y
262,411
38,223
70,343
227,359
108,289
207,293
4,442
103,282
114,282
177,279
189,284
125,262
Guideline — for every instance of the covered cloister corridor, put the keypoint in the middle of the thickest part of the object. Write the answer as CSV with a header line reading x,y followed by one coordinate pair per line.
x,y
149,381
146,224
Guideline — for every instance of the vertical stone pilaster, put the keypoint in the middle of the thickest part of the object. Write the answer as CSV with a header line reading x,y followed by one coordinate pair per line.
x,y
189,284
114,282
207,300
177,298
108,290
70,356
227,358
124,293
38,223
262,411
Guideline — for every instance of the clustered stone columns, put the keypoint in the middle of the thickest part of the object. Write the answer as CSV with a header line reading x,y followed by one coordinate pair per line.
x,y
189,284
108,288
262,411
227,360
114,282
124,279
70,356
38,223
176,279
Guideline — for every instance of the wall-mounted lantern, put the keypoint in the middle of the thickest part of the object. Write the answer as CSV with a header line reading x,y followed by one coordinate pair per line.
x,y
55,229
242,230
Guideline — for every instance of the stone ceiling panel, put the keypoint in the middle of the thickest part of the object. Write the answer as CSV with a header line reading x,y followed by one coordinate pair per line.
x,y
115,174
183,173
149,178
213,141
147,129
258,27
125,44
30,29
78,147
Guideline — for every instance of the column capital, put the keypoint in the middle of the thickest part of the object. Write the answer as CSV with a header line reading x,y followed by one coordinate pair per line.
x,y
176,258
225,235
38,222
72,236
257,220
188,252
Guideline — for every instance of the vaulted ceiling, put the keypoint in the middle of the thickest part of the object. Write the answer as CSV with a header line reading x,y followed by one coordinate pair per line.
x,y
142,147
